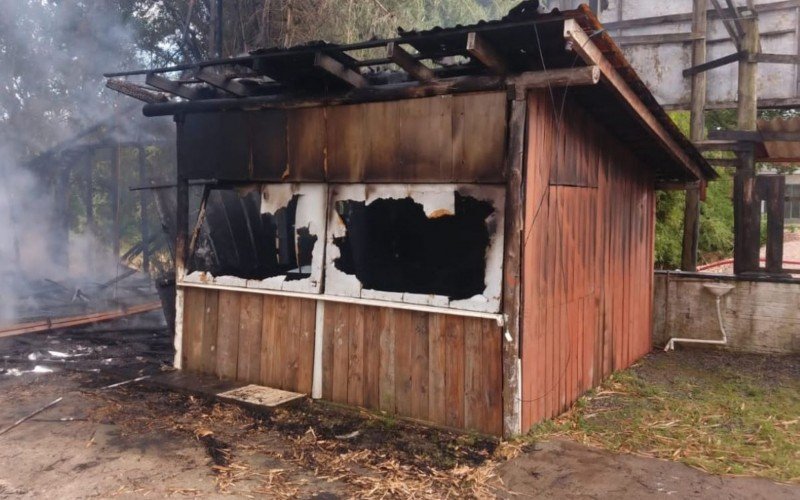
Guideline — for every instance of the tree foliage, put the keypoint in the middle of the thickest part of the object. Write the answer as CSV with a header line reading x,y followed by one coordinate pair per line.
x,y
716,213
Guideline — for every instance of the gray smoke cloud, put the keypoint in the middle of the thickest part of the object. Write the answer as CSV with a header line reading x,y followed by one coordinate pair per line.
x,y
52,56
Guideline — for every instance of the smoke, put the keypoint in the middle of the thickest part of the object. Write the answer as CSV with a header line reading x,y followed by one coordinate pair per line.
x,y
52,57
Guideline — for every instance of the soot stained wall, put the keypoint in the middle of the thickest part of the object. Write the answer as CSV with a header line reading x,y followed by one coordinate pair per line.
x,y
392,245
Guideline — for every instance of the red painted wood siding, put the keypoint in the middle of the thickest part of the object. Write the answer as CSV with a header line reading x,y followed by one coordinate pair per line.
x,y
588,258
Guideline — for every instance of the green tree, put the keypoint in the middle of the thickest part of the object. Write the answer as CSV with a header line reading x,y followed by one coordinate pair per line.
x,y
716,213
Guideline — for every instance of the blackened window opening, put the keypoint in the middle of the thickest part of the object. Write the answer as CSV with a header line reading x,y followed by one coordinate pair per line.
x,y
236,239
392,245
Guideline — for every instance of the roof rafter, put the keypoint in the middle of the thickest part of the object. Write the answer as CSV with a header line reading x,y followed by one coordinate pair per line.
x,y
480,49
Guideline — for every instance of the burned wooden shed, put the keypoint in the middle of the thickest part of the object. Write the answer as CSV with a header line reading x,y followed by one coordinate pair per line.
x,y
454,226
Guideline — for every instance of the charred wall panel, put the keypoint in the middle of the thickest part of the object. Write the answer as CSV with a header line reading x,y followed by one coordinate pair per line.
x,y
215,146
458,138
588,260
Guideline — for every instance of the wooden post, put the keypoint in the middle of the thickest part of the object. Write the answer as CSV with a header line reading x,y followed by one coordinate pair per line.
x,y
691,210
512,265
772,189
144,227
115,201
746,209
182,206
181,240
61,196
88,194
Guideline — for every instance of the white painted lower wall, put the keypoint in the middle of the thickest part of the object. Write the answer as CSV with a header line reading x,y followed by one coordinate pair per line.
x,y
759,316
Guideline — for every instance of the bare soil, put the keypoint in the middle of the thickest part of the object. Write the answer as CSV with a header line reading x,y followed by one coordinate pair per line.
x,y
138,441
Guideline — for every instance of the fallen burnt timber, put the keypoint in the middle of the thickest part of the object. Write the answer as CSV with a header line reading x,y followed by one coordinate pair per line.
x,y
528,141
73,321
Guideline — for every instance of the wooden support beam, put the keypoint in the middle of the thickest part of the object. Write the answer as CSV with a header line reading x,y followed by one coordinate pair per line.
x,y
778,58
716,63
719,145
136,91
391,92
691,209
592,55
182,206
736,17
754,136
658,39
674,186
567,77
408,63
746,209
211,77
116,171
88,193
175,88
478,48
340,71
729,27
512,266
144,227
724,162
772,190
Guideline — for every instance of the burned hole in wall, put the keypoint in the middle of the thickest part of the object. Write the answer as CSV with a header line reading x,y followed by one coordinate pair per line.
x,y
392,245
238,239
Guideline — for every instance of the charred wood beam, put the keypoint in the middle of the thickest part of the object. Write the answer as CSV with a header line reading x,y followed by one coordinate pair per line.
x,y
136,91
73,321
481,50
716,63
772,190
407,90
175,88
340,71
223,83
369,44
408,63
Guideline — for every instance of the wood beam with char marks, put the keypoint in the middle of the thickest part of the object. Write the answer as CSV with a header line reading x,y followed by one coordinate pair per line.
x,y
340,71
219,81
170,86
478,48
408,63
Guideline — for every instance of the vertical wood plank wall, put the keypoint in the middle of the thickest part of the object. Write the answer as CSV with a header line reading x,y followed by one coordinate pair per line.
x,y
588,250
260,339
432,367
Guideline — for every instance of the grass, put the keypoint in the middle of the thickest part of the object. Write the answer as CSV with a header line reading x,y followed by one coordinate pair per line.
x,y
719,412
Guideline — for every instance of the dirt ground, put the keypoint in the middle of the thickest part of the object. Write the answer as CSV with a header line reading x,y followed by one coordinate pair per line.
x,y
138,441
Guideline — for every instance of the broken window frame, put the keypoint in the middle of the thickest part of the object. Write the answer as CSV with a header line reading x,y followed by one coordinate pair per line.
x,y
434,198
310,212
